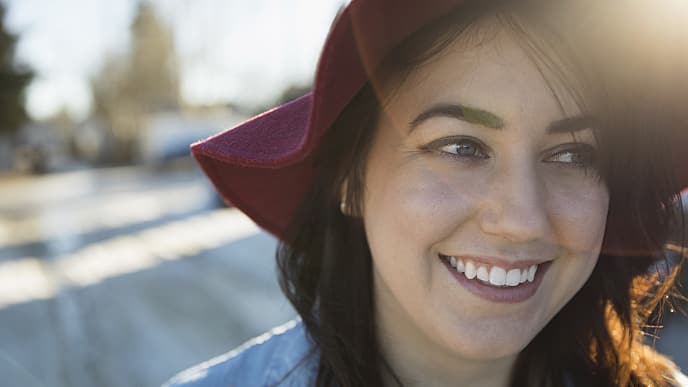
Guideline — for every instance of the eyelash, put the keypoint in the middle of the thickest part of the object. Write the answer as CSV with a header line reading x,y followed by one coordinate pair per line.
x,y
585,151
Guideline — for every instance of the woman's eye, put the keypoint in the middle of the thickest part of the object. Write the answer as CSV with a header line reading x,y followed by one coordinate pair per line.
x,y
464,148
582,156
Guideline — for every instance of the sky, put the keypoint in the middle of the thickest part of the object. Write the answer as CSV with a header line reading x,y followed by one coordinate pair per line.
x,y
229,50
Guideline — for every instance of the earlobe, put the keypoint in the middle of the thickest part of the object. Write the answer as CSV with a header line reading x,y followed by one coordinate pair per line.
x,y
343,207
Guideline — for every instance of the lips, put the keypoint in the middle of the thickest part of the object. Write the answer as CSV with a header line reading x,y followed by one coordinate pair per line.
x,y
496,281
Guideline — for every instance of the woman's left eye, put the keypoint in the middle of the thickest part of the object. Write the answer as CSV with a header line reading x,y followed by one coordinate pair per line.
x,y
582,155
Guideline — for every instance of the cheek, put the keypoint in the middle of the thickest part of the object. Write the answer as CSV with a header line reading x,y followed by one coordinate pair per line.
x,y
419,203
407,212
579,216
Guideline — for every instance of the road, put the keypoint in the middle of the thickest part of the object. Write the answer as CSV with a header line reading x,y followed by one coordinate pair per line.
x,y
121,277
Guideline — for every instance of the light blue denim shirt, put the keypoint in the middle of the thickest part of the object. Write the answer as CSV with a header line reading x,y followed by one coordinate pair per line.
x,y
283,357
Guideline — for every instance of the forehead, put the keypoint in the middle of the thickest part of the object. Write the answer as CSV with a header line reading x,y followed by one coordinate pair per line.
x,y
489,67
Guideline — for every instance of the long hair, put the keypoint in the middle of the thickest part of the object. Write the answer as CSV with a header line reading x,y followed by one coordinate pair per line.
x,y
325,264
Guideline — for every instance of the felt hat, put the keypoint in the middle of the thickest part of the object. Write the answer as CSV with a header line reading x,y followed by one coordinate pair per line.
x,y
264,166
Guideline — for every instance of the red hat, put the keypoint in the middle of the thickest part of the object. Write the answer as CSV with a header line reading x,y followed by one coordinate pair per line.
x,y
264,165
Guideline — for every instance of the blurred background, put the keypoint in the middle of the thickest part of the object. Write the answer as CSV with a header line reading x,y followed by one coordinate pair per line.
x,y
119,265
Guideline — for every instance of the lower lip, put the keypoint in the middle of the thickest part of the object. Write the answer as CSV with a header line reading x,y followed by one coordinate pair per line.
x,y
510,295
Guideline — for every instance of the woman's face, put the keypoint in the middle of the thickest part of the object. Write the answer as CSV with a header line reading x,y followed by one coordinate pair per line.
x,y
476,161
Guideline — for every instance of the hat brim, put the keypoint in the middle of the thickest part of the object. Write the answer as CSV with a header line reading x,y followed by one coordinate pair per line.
x,y
261,166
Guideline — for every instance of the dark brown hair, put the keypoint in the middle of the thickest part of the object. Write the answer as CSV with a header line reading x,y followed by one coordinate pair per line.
x,y
597,338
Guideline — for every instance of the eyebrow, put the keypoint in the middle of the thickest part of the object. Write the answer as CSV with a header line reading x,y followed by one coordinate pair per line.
x,y
490,120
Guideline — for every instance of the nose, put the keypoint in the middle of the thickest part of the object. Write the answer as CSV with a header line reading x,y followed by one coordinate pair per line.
x,y
514,206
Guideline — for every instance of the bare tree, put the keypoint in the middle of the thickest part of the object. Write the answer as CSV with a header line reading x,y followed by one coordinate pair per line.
x,y
129,88
152,76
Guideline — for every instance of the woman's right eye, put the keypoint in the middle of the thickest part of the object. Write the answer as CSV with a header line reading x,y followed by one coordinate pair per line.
x,y
462,148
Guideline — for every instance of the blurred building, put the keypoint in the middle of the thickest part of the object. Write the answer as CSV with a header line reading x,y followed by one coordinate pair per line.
x,y
162,137
167,135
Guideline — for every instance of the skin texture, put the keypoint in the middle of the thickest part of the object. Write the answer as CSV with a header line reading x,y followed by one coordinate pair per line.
x,y
517,194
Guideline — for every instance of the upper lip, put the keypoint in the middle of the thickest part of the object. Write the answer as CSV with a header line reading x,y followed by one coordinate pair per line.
x,y
497,261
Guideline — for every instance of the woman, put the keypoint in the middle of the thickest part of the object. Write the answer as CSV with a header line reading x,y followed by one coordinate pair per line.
x,y
474,194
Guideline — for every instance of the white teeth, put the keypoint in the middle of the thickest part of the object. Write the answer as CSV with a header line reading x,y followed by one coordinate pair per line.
x,y
531,273
483,274
497,276
513,277
494,275
470,272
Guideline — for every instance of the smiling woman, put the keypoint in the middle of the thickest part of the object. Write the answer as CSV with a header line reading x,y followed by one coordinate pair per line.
x,y
497,201
474,194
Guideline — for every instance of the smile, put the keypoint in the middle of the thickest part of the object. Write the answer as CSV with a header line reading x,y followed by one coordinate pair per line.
x,y
496,282
493,274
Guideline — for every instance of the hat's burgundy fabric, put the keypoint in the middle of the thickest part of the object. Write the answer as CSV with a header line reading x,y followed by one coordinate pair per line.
x,y
263,166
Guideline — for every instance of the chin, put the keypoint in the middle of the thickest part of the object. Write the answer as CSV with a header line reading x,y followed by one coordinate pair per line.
x,y
493,349
490,340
